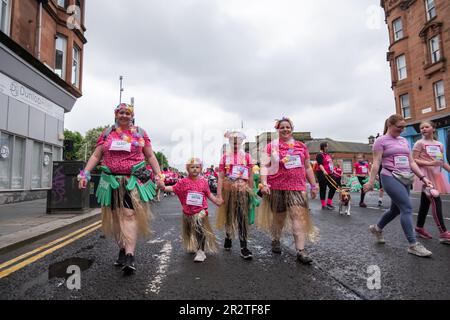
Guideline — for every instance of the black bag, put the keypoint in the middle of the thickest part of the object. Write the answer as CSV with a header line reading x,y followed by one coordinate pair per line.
x,y
143,174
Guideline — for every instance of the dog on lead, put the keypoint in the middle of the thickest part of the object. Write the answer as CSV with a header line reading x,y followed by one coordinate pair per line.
x,y
344,201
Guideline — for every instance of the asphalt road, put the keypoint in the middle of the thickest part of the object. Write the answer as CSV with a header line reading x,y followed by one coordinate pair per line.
x,y
344,258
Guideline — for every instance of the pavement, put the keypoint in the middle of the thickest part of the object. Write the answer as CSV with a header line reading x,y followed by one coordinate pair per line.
x,y
25,222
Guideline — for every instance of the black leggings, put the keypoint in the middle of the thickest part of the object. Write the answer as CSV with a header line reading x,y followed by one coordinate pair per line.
x,y
200,239
436,212
242,228
323,183
363,194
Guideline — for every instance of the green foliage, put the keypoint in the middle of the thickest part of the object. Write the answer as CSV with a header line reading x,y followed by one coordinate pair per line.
x,y
89,142
77,140
162,159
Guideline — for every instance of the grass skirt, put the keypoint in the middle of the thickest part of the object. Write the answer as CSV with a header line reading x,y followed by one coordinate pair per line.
x,y
111,219
272,212
236,197
192,226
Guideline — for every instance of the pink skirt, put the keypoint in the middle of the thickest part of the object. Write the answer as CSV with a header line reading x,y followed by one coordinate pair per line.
x,y
436,176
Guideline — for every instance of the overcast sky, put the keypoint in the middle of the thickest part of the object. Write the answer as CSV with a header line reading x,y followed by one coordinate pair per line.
x,y
199,67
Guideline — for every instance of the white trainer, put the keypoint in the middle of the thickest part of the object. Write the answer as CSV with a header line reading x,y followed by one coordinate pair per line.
x,y
419,250
377,233
200,256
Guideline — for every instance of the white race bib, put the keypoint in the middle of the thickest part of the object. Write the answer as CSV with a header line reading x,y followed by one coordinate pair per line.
x,y
120,145
194,199
434,152
401,162
294,161
364,170
239,172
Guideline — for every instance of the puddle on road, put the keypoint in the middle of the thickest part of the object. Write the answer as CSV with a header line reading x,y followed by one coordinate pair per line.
x,y
59,269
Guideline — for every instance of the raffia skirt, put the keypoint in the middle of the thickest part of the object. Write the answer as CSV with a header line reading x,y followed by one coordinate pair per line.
x,y
271,214
236,197
114,214
193,226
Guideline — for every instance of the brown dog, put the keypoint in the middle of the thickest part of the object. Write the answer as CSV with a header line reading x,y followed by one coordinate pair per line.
x,y
344,201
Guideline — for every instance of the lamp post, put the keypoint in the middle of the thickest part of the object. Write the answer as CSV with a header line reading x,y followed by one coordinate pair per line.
x,y
121,89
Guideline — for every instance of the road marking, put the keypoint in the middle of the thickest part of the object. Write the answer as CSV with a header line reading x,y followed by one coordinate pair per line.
x,y
414,214
164,259
28,261
23,256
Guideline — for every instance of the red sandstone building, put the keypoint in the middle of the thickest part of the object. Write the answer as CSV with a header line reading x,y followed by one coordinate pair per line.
x,y
419,33
41,62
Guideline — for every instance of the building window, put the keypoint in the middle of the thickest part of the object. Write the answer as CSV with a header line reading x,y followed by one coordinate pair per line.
x,y
46,163
398,29
347,166
439,95
62,3
401,67
431,9
5,16
435,49
76,67
36,166
12,159
60,56
404,104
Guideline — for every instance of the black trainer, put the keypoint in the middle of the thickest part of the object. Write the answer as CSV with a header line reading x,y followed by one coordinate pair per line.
x,y
330,207
227,244
129,266
246,254
122,258
303,257
276,246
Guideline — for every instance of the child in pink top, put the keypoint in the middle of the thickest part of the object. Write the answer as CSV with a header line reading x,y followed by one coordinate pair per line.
x,y
429,156
193,192
361,171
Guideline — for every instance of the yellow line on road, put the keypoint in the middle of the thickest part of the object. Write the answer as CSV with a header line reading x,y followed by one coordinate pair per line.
x,y
28,261
25,255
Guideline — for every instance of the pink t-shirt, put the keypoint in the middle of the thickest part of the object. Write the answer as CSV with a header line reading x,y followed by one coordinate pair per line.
x,y
121,162
192,194
326,161
291,158
431,151
237,165
396,153
337,172
361,168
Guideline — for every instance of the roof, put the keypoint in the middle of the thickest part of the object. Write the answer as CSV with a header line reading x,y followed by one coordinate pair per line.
x,y
338,146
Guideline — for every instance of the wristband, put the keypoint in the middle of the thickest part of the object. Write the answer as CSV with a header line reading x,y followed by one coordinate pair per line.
x,y
421,178
314,187
84,175
160,176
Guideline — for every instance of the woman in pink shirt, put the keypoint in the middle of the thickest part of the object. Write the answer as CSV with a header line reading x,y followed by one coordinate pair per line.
x,y
361,171
234,188
125,187
429,155
394,153
193,193
284,173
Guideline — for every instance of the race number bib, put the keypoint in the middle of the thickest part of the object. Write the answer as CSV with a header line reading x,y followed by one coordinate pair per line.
x,y
239,172
120,145
293,161
401,162
364,170
194,199
434,152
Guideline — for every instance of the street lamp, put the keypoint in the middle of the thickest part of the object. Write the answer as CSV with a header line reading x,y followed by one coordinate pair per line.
x,y
121,89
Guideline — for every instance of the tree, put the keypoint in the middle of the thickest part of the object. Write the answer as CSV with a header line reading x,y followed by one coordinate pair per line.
x,y
162,159
76,141
90,141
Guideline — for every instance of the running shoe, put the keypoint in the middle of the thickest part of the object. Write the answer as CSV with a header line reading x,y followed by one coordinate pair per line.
x,y
276,246
303,257
200,256
421,232
419,250
122,258
377,233
129,266
363,205
246,254
445,237
227,244
330,207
